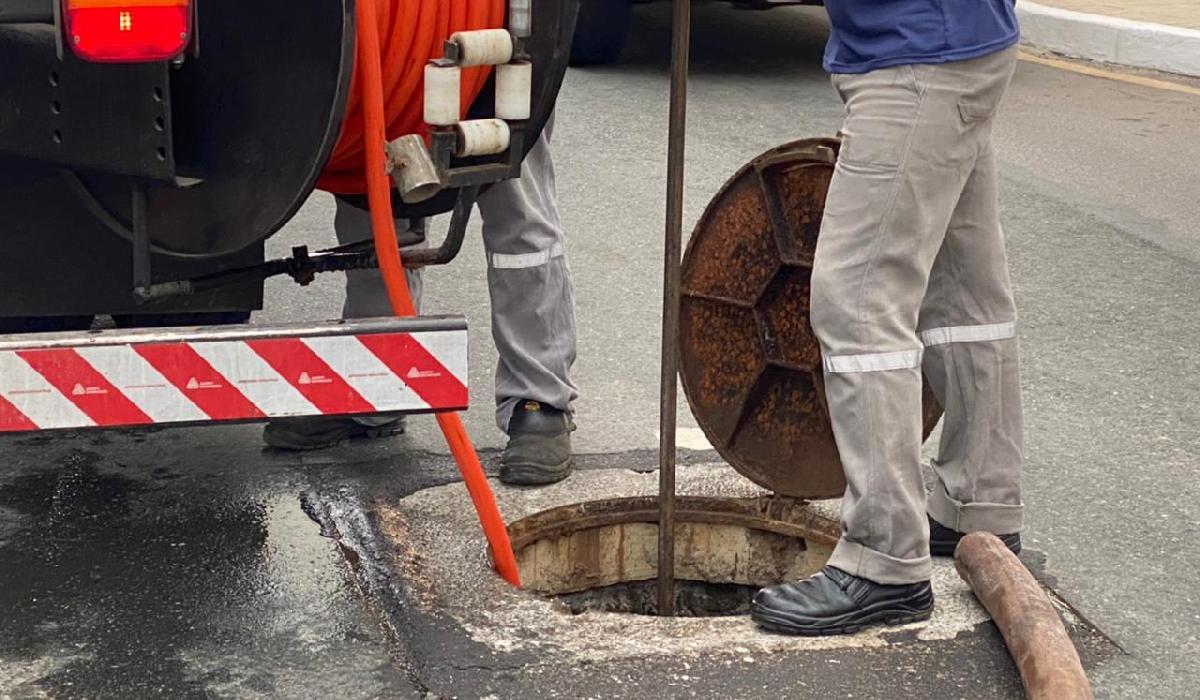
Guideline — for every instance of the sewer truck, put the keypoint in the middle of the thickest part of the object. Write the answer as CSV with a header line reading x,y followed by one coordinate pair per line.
x,y
149,148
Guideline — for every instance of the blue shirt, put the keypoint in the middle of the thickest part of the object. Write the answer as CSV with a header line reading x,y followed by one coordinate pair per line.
x,y
871,34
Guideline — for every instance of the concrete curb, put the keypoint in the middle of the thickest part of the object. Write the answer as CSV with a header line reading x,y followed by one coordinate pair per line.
x,y
1110,39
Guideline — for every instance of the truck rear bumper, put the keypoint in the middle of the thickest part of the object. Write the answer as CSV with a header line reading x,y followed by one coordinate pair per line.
x,y
112,379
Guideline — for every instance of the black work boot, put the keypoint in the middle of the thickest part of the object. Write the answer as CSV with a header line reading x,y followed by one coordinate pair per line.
x,y
943,541
834,602
320,432
539,446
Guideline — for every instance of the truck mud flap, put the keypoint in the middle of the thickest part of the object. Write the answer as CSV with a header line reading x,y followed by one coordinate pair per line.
x,y
190,376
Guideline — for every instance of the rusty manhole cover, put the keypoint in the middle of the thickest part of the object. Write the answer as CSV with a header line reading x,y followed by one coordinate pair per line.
x,y
750,363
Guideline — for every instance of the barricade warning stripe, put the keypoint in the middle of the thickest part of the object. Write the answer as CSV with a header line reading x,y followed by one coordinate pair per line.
x,y
89,385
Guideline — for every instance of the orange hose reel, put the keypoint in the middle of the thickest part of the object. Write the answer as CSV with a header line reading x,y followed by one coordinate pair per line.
x,y
411,32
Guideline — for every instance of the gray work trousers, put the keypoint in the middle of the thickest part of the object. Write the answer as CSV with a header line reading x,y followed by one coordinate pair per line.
x,y
533,311
911,272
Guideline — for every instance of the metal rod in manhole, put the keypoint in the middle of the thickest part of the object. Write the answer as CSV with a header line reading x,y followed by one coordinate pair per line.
x,y
676,140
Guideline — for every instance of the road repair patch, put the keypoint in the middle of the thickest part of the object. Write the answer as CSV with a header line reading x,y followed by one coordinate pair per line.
x,y
439,551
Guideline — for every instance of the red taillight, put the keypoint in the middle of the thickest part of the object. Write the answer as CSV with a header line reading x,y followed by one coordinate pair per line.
x,y
127,30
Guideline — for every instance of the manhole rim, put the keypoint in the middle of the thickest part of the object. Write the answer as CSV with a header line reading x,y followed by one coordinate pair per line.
x,y
751,513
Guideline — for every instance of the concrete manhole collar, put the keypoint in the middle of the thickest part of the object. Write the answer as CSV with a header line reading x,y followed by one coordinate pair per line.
x,y
601,555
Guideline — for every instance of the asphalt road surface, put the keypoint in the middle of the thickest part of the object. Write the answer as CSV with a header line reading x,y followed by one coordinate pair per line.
x,y
182,564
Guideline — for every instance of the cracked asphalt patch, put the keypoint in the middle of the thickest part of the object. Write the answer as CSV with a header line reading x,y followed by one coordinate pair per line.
x,y
467,634
170,565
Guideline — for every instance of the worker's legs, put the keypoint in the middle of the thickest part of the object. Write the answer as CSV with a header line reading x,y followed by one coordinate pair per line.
x,y
533,313
366,297
366,292
968,326
914,138
533,320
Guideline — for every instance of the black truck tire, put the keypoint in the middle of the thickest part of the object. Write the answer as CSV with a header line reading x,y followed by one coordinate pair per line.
x,y
601,31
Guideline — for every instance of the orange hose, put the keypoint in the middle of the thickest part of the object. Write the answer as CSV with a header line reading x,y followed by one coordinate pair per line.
x,y
371,93
412,33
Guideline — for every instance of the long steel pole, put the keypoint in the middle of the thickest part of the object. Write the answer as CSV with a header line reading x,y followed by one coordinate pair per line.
x,y
676,141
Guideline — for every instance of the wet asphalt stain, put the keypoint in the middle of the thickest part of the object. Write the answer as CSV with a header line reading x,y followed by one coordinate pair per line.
x,y
156,566
98,570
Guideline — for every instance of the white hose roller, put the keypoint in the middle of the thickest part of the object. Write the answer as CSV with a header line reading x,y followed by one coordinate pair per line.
x,y
443,96
484,47
482,137
514,88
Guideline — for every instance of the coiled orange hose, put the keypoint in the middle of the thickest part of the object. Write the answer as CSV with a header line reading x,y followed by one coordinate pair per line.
x,y
370,88
411,32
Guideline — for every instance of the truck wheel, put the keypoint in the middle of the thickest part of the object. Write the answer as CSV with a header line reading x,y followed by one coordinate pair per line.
x,y
601,31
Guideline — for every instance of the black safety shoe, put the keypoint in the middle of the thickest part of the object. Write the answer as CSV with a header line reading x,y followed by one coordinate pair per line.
x,y
539,446
943,541
834,602
318,433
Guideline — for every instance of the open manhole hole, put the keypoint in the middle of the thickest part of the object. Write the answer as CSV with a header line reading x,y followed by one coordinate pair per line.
x,y
602,556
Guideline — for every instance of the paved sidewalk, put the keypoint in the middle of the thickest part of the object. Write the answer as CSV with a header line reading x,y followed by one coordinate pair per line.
x,y
1161,35
1174,13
